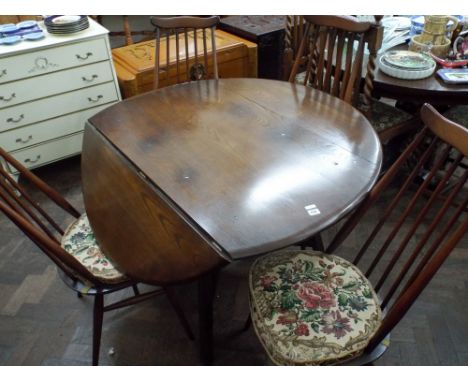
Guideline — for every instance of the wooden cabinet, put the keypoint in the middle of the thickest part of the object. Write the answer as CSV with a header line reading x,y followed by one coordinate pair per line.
x,y
49,88
134,64
268,33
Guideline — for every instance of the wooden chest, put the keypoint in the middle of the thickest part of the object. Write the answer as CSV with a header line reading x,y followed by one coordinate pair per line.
x,y
268,33
134,64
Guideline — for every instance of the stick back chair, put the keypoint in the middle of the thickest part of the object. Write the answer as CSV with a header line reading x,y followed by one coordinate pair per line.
x,y
333,52
311,307
194,43
74,250
294,32
458,114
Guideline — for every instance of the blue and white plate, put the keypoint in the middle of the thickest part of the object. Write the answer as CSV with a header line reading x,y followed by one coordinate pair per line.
x,y
34,36
454,76
26,24
10,40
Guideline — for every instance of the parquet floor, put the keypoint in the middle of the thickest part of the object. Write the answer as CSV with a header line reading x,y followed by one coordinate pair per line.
x,y
42,322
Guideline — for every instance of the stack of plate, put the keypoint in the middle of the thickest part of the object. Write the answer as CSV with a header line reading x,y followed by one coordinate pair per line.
x,y
407,65
396,32
66,24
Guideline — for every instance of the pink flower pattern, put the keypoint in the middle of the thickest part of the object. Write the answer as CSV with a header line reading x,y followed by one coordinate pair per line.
x,y
315,295
314,298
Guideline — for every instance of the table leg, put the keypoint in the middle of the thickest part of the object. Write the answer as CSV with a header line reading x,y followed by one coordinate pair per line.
x,y
206,293
315,242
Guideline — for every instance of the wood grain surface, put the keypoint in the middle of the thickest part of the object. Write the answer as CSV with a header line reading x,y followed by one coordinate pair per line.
x,y
250,165
431,89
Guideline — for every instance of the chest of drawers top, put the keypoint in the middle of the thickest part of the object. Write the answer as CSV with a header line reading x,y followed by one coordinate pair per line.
x,y
53,53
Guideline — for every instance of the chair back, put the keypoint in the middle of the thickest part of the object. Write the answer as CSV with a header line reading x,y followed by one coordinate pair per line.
x,y
423,222
335,47
294,32
193,41
28,215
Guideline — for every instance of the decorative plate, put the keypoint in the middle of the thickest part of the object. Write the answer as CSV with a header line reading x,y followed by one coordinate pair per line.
x,y
454,76
60,21
405,74
34,36
10,40
404,59
26,24
58,24
396,23
8,28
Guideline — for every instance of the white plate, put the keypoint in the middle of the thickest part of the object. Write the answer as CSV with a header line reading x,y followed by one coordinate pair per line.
x,y
405,74
406,59
60,20
397,23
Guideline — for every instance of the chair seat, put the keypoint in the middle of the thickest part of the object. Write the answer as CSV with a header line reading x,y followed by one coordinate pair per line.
x,y
79,241
458,114
381,115
309,308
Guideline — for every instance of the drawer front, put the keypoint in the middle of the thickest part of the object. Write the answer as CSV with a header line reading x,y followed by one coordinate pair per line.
x,y
47,108
53,59
51,151
59,82
44,131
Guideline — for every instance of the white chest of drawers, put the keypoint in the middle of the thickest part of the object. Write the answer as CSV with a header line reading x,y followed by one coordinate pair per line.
x,y
49,88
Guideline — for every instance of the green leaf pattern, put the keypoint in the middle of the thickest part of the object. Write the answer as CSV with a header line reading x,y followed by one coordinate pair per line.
x,y
300,297
80,242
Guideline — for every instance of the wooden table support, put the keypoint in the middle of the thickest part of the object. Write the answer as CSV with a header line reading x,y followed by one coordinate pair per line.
x,y
206,293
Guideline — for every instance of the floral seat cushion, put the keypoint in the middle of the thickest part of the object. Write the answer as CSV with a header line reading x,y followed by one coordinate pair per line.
x,y
380,115
383,116
309,308
458,114
79,241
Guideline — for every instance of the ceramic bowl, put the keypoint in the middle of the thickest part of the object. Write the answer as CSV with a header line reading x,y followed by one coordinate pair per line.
x,y
417,45
405,74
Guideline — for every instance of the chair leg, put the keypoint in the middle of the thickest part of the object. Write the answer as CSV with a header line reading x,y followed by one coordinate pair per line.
x,y
136,290
97,326
180,313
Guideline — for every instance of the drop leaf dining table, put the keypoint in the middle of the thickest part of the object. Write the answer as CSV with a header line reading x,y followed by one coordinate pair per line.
x,y
182,180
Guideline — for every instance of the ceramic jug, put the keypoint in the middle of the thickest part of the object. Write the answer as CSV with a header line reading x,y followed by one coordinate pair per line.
x,y
436,28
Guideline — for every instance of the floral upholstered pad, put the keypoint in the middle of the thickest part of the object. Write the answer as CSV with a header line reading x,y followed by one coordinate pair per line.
x,y
309,308
458,114
79,241
380,115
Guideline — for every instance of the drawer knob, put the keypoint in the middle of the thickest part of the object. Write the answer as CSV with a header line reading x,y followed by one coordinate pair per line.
x,y
15,120
21,140
7,99
90,79
3,73
96,99
85,57
29,160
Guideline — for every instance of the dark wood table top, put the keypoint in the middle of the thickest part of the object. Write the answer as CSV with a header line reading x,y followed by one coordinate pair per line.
x,y
431,89
251,165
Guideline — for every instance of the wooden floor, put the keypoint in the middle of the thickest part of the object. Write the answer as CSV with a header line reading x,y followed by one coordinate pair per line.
x,y
42,322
